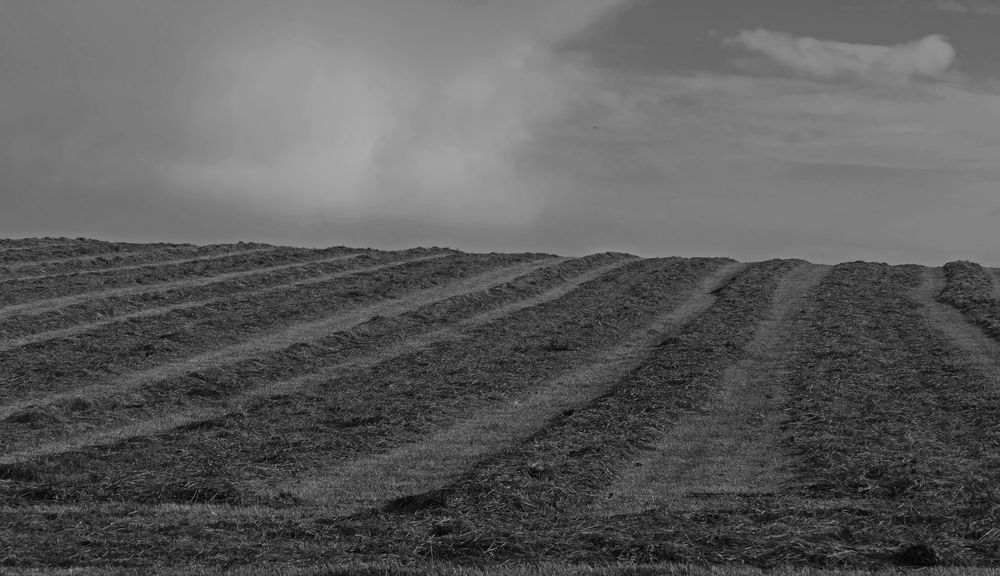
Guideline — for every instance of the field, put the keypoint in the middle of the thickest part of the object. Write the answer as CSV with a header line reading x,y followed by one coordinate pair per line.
x,y
253,409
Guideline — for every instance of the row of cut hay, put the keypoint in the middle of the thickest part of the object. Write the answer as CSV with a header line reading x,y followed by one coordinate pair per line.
x,y
86,314
73,268
28,252
27,290
129,539
891,430
430,462
546,568
42,242
43,368
304,358
730,446
970,289
888,411
365,411
56,253
896,439
533,500
134,256
169,398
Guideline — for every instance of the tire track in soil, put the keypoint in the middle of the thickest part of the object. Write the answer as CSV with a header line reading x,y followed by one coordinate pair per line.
x,y
139,266
292,385
81,328
730,447
433,462
49,304
983,351
304,333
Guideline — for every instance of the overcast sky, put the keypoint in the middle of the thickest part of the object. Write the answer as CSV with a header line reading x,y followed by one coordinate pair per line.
x,y
830,130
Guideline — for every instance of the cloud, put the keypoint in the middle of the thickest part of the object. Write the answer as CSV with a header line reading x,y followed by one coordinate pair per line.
x,y
758,166
296,109
927,58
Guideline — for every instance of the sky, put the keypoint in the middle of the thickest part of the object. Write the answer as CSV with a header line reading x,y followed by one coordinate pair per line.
x,y
829,130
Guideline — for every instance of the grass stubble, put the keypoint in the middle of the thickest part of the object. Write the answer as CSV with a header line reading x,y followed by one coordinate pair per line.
x,y
890,432
728,447
267,361
428,465
402,398
188,398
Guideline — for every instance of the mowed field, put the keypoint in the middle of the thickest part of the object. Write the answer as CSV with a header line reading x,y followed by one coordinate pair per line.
x,y
253,409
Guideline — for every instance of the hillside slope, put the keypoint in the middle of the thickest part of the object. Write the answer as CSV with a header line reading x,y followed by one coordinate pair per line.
x,y
250,405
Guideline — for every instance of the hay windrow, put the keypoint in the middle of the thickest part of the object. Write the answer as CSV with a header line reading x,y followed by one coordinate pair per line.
x,y
404,398
31,251
107,307
124,255
897,456
213,387
25,290
132,345
970,289
544,485
892,429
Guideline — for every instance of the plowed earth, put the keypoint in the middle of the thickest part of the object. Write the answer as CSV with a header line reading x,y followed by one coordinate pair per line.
x,y
231,406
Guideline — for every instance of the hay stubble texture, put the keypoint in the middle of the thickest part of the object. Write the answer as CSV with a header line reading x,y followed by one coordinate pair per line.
x,y
258,409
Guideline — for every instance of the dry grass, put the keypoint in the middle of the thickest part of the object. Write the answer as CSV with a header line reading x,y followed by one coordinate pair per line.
x,y
539,569
143,262
970,288
509,410
110,297
429,464
100,312
982,352
728,447
189,340
373,345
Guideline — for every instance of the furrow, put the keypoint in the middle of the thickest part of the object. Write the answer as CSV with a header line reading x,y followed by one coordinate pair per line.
x,y
141,266
183,302
8,244
982,350
56,250
301,332
577,454
120,261
17,292
235,458
382,349
886,407
731,445
427,465
49,304
132,347
970,288
69,259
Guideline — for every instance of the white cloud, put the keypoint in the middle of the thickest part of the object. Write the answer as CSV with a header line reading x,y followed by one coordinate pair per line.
x,y
927,58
